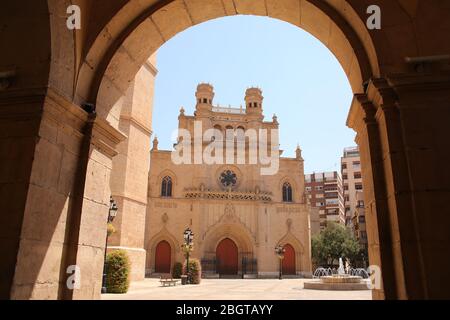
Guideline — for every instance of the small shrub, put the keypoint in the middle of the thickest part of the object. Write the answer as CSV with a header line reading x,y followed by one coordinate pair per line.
x,y
117,272
177,270
195,271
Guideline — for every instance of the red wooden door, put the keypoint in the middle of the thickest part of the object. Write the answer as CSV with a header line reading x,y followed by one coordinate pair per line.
x,y
227,257
289,260
162,257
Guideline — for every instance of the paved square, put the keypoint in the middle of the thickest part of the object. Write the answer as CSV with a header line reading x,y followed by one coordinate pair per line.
x,y
234,289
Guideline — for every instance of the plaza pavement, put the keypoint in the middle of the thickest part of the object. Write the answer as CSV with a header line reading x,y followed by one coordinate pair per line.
x,y
234,289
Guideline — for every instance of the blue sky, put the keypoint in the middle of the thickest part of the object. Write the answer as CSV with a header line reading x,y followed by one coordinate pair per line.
x,y
302,82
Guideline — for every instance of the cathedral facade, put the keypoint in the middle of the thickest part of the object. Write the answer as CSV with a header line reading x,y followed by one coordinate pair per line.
x,y
237,211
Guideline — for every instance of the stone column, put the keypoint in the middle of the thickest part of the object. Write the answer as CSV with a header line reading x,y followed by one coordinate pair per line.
x,y
20,117
62,165
405,148
129,180
362,120
423,103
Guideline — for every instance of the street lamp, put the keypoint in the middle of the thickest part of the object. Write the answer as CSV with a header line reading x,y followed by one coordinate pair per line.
x,y
112,213
188,236
279,251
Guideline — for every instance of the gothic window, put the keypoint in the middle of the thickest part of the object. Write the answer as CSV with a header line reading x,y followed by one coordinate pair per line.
x,y
228,178
287,192
166,187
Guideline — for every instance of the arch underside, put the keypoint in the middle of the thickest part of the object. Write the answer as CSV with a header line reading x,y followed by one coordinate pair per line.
x,y
137,31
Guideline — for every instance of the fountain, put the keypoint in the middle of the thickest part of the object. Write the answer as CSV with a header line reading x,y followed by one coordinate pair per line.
x,y
345,279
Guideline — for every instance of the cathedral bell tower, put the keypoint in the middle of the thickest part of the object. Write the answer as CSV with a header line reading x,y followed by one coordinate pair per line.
x,y
253,102
205,96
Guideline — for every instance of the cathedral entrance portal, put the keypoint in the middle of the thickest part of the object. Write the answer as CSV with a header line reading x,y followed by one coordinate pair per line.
x,y
162,257
288,264
227,257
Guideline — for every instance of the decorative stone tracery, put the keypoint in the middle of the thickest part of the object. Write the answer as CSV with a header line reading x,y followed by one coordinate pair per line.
x,y
201,193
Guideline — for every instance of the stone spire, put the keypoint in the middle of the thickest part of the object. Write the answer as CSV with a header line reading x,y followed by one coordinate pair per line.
x,y
275,119
298,153
204,96
254,100
155,144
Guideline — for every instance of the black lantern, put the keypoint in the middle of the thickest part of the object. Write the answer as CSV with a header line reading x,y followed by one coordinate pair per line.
x,y
112,210
188,236
112,213
279,251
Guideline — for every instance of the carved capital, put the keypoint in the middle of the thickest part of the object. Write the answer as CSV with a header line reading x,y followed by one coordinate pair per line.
x,y
105,137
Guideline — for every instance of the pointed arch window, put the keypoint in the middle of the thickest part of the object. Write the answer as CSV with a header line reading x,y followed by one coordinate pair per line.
x,y
166,187
287,192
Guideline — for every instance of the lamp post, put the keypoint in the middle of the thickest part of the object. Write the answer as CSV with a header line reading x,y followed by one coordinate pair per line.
x,y
188,240
112,213
279,251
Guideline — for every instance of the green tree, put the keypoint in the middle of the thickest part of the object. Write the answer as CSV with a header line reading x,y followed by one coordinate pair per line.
x,y
335,242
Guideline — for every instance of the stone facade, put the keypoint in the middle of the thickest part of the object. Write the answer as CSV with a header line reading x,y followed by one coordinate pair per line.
x,y
249,210
351,180
130,169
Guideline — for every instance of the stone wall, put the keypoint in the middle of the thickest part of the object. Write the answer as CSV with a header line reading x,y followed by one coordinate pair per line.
x,y
129,182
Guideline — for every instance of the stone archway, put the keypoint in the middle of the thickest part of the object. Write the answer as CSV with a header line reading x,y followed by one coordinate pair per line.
x,y
163,236
401,120
231,234
114,63
295,262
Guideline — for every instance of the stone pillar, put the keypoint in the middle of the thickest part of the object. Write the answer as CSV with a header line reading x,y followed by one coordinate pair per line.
x,y
405,147
87,222
129,180
362,120
20,117
55,213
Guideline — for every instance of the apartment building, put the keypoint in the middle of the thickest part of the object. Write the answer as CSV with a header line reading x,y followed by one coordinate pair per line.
x,y
324,192
351,181
359,220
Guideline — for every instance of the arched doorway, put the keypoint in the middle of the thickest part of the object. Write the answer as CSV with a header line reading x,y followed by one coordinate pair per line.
x,y
162,257
227,257
288,265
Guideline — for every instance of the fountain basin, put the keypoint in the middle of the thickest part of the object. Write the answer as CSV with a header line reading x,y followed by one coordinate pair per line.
x,y
326,279
337,286
341,279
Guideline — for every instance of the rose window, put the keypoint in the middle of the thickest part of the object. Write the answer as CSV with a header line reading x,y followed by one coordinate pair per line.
x,y
228,178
